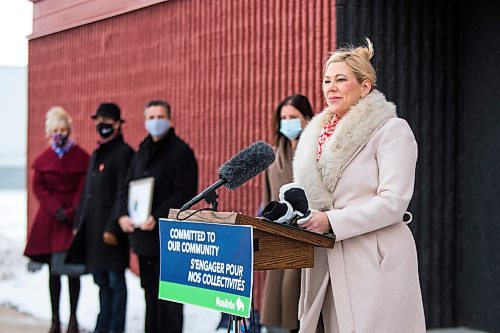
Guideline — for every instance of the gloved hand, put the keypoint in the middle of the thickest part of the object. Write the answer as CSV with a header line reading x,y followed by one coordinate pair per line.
x,y
61,216
281,212
295,194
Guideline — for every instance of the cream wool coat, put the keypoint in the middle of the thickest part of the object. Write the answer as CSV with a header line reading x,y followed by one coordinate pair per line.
x,y
368,283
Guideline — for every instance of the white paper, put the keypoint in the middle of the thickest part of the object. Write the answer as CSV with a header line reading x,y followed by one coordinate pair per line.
x,y
140,199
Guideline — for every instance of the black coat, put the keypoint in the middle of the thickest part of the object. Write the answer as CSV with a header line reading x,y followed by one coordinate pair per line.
x,y
99,207
172,164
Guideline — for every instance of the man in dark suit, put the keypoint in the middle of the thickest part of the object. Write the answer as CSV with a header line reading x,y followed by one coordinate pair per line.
x,y
106,246
164,156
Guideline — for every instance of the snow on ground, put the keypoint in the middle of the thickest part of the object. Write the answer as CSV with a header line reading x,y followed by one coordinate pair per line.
x,y
29,292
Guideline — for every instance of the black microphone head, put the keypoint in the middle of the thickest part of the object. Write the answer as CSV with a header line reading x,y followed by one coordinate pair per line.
x,y
246,164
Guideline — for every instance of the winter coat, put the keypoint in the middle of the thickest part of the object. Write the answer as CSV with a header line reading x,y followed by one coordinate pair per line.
x,y
98,209
57,183
364,181
282,287
172,164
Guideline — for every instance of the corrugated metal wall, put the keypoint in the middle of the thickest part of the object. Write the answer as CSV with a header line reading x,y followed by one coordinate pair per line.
x,y
223,66
417,49
479,285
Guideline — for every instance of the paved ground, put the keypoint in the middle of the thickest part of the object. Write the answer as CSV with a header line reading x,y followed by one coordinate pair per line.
x,y
12,321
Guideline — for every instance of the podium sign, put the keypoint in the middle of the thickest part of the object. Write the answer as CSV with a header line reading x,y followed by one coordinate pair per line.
x,y
207,264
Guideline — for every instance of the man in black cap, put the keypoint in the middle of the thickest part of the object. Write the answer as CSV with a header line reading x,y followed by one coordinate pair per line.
x,y
105,245
164,156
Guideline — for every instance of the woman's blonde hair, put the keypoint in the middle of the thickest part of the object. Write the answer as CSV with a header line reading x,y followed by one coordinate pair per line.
x,y
358,59
54,116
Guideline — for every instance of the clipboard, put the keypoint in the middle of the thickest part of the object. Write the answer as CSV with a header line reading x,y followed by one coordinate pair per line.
x,y
140,200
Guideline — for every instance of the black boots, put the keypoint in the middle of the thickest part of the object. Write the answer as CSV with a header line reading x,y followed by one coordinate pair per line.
x,y
72,324
56,325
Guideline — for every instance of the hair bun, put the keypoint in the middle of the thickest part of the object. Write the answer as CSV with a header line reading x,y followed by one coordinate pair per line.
x,y
365,51
57,112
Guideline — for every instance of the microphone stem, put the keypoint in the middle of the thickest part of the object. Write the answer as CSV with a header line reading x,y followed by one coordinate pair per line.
x,y
208,194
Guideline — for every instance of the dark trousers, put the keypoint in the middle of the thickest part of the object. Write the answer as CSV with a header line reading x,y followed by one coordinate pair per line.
x,y
161,316
112,300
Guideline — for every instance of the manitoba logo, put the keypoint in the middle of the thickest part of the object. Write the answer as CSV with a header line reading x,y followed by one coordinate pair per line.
x,y
226,303
240,306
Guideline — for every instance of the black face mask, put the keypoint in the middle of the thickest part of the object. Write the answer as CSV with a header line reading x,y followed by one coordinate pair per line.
x,y
105,130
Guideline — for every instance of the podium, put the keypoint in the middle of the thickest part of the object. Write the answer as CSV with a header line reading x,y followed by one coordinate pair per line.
x,y
276,246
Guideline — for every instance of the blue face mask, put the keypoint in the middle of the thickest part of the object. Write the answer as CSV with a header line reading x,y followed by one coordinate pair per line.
x,y
291,128
157,127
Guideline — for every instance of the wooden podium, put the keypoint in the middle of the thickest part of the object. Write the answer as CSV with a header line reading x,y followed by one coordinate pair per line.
x,y
276,246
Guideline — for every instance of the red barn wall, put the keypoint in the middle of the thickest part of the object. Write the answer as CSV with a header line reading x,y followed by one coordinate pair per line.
x,y
223,66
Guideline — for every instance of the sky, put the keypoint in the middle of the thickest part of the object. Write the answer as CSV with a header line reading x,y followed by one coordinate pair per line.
x,y
16,17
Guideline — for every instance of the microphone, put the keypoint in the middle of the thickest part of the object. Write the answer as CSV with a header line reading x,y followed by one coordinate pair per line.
x,y
242,167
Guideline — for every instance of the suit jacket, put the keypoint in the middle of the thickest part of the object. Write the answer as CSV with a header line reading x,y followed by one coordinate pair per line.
x,y
172,164
57,183
97,212
364,182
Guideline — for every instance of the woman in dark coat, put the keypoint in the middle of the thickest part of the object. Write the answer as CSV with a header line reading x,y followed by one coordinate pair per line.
x,y
59,175
282,287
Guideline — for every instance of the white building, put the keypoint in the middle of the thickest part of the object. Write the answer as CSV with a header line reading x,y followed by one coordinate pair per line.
x,y
13,124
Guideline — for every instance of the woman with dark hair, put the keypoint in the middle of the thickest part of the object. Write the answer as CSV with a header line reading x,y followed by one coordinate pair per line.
x,y
282,287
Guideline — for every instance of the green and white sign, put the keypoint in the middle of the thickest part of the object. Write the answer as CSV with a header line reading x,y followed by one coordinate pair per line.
x,y
207,264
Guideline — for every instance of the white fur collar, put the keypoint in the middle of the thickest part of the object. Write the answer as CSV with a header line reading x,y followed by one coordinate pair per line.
x,y
351,134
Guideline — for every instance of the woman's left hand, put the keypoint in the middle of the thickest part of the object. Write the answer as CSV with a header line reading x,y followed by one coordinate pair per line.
x,y
318,222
